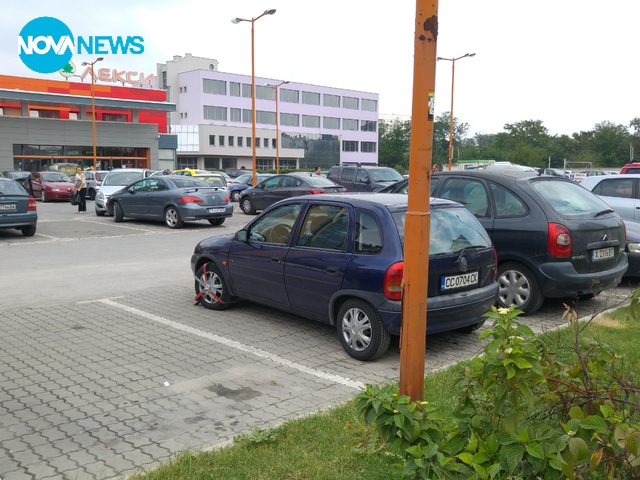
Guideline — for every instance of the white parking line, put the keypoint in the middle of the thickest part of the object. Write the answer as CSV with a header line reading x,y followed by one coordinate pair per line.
x,y
239,346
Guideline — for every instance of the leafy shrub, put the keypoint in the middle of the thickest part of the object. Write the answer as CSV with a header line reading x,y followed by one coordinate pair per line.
x,y
521,414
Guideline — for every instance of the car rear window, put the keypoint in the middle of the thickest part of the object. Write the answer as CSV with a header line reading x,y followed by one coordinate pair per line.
x,y
568,198
318,181
11,188
452,230
184,182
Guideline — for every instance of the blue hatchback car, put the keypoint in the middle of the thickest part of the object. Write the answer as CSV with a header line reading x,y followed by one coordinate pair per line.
x,y
338,259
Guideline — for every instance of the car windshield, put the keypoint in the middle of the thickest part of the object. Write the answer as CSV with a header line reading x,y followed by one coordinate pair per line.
x,y
453,229
55,177
244,178
121,178
568,198
185,182
385,175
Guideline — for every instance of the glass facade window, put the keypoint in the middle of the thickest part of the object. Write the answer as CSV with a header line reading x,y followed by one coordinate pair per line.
x,y
290,96
248,141
349,124
221,140
211,163
114,117
234,89
240,139
349,146
368,147
229,163
311,98
290,119
368,126
212,139
246,90
331,123
266,142
215,113
218,87
246,115
231,138
265,118
235,114
350,103
310,121
273,143
369,105
264,164
331,100
265,92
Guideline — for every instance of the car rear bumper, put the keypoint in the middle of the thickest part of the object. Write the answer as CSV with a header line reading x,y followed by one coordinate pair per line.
x,y
18,220
201,213
561,279
445,312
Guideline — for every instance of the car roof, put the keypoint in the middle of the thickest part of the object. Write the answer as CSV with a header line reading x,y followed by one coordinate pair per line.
x,y
497,174
383,199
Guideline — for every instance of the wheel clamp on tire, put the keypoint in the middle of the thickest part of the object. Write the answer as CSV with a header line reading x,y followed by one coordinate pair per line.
x,y
206,288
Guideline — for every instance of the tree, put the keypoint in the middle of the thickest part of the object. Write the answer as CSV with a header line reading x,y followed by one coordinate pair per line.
x,y
610,143
393,143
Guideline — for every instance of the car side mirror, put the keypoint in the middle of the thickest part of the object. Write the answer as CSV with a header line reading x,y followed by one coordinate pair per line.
x,y
241,236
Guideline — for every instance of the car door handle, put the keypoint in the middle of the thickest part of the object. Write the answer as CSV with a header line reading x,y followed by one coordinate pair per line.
x,y
276,259
332,270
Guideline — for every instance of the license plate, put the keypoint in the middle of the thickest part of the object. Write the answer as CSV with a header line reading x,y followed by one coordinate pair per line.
x,y
215,210
8,207
459,281
601,254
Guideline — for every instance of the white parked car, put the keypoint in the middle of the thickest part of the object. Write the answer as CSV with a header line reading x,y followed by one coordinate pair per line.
x,y
620,192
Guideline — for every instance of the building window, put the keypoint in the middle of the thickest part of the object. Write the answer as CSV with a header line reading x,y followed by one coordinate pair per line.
x,y
229,163
212,140
246,90
211,163
221,140
369,105
266,142
240,141
331,123
44,113
114,117
310,121
368,126
246,116
311,98
230,140
235,114
349,124
215,113
72,115
290,96
218,87
265,118
265,92
349,146
331,100
234,89
257,143
248,141
264,164
273,143
183,115
350,103
368,147
290,119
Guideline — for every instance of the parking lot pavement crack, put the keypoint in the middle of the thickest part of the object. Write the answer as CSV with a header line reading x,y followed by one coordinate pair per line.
x,y
239,346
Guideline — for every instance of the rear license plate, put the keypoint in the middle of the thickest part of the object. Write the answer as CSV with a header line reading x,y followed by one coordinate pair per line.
x,y
459,281
601,254
8,207
215,210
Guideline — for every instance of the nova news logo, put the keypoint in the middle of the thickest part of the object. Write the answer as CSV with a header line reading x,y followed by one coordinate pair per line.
x,y
46,45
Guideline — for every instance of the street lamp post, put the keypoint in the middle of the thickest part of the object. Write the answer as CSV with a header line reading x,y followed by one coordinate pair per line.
x,y
277,130
253,88
453,70
93,108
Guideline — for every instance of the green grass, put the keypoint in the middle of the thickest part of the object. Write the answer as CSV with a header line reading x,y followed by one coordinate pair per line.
x,y
338,445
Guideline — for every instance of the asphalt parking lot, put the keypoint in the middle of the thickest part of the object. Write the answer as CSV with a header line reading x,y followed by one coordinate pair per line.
x,y
107,366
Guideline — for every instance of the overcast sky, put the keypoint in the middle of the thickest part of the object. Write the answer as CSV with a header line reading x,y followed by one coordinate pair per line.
x,y
570,63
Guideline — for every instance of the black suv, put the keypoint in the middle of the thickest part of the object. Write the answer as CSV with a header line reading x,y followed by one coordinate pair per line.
x,y
357,178
553,238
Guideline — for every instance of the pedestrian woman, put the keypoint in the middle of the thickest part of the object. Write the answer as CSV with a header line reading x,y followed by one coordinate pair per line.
x,y
28,183
81,188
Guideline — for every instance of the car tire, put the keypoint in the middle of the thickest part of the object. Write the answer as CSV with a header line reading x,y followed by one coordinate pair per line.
x,y
43,196
518,286
92,194
100,213
235,196
172,218
209,278
246,205
29,231
216,221
361,331
118,214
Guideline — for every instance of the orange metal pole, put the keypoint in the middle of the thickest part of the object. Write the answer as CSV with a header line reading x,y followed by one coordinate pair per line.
x,y
253,107
453,71
277,134
417,221
93,117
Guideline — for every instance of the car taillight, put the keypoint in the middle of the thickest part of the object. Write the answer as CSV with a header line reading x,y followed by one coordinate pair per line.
x,y
495,263
190,199
316,192
393,281
558,240
227,199
32,204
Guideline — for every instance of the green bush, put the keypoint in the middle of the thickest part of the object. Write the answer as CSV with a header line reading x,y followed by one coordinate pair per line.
x,y
521,413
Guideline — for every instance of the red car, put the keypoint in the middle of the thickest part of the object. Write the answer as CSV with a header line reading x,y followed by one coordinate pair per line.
x,y
52,186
